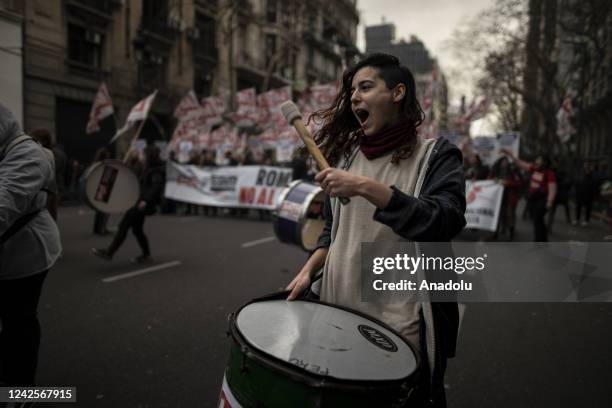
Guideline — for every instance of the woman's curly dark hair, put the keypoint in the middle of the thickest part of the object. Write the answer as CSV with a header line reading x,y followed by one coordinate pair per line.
x,y
341,130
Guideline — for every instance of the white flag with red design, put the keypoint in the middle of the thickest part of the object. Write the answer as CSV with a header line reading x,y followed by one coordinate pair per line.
x,y
102,107
322,96
246,114
475,111
192,125
214,107
270,115
188,104
564,125
481,109
140,111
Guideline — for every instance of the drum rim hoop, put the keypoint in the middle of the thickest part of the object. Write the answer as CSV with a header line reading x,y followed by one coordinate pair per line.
x,y
283,195
302,217
307,377
303,212
281,198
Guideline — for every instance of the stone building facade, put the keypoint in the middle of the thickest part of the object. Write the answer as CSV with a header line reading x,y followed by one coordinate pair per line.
x,y
136,46
573,56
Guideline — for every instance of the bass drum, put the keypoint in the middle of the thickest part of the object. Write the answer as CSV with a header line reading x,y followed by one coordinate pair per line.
x,y
299,216
304,354
110,187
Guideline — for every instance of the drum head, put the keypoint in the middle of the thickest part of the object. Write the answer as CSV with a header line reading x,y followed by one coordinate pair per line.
x,y
111,187
326,340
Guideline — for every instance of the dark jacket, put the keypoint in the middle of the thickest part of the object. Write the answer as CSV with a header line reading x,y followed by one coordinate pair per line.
x,y
152,186
436,215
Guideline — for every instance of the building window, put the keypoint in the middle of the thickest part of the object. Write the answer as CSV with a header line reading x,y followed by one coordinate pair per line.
x,y
271,11
203,82
289,63
270,46
211,3
155,16
205,46
311,57
152,72
85,46
312,23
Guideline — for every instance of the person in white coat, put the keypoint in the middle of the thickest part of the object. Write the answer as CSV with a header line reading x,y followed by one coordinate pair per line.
x,y
29,246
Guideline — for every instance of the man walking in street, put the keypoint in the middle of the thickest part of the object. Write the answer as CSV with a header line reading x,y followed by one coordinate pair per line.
x,y
151,189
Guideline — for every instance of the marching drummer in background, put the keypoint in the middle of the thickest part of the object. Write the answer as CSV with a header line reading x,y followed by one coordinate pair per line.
x,y
100,218
370,139
151,187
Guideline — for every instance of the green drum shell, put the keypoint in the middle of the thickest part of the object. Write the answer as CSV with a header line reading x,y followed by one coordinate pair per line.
x,y
259,380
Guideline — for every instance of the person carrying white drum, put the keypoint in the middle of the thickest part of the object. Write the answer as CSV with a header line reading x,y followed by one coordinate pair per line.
x,y
370,139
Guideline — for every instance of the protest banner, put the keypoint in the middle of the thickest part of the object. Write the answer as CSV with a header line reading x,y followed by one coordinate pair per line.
x,y
241,186
483,204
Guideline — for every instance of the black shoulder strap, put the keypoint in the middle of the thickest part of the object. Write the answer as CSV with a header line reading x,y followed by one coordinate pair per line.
x,y
17,225
14,142
24,219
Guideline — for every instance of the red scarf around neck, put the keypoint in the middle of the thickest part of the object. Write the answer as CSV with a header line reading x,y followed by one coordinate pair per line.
x,y
386,140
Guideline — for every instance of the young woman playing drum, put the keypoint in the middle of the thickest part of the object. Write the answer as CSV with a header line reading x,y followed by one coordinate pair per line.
x,y
370,139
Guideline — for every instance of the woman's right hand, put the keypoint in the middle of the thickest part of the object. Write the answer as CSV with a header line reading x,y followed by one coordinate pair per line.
x,y
299,284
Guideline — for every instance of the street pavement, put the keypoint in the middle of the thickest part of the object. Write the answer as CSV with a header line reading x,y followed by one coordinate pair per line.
x,y
158,338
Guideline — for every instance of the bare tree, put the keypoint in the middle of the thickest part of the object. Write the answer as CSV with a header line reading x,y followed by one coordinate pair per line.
x,y
513,49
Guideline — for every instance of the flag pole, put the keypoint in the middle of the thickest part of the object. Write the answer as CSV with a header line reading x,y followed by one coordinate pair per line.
x,y
116,127
135,138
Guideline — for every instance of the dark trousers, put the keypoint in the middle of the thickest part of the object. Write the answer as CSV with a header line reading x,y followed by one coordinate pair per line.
x,y
133,219
100,221
553,210
20,335
587,204
537,211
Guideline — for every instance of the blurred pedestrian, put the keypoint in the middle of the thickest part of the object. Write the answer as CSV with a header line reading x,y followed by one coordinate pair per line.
x,y
194,160
564,186
151,189
29,247
43,137
100,218
541,193
299,166
586,189
606,194
208,160
474,169
134,162
230,160
509,176
61,167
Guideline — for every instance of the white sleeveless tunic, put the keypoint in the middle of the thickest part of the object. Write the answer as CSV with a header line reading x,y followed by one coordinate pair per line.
x,y
341,274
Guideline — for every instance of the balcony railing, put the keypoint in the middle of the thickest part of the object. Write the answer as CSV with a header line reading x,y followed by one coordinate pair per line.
x,y
103,7
157,26
206,51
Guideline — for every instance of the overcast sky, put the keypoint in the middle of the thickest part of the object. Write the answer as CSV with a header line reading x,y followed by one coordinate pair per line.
x,y
433,21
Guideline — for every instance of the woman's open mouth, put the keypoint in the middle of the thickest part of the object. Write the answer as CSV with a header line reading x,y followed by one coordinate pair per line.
x,y
362,116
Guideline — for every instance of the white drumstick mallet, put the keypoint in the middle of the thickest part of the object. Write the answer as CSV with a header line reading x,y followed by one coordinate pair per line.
x,y
294,118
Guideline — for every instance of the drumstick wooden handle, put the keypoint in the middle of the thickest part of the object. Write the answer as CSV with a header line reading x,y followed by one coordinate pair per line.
x,y
313,149
293,116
